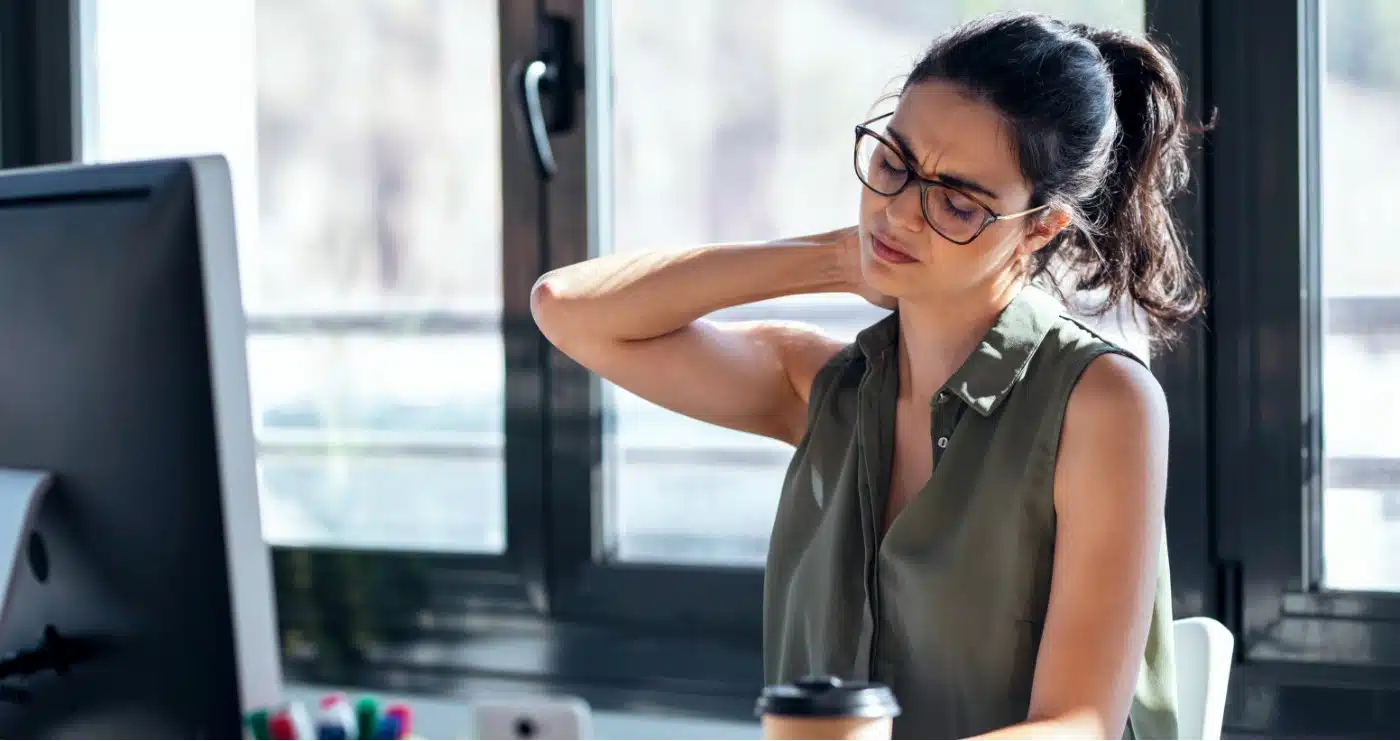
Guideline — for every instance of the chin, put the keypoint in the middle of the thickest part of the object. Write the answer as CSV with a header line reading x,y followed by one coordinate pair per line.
x,y
895,281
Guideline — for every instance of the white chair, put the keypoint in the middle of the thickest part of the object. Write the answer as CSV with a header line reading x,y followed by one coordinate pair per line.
x,y
1204,652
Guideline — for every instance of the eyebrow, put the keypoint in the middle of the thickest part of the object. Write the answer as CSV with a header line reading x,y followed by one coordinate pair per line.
x,y
957,181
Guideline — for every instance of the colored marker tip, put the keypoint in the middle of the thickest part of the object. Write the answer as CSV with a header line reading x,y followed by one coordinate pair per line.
x,y
404,716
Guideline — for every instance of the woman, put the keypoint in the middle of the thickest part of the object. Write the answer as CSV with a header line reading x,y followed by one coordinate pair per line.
x,y
974,512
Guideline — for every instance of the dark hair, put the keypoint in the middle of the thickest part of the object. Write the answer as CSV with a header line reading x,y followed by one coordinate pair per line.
x,y
1098,119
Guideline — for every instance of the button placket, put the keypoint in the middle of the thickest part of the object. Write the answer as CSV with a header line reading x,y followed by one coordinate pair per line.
x,y
945,418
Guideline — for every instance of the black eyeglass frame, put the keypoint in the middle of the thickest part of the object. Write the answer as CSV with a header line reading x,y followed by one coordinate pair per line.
x,y
911,176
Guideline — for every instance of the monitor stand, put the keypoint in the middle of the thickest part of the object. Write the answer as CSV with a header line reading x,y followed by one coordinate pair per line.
x,y
21,494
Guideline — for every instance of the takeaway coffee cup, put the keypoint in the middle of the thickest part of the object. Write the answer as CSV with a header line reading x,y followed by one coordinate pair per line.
x,y
827,708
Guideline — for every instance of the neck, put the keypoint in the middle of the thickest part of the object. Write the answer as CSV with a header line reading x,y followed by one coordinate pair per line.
x,y
937,335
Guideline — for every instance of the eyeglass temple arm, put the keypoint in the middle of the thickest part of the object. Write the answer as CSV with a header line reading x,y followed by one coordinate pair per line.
x,y
1003,217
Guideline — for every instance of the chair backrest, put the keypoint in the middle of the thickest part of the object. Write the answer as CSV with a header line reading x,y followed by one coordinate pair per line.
x,y
1204,652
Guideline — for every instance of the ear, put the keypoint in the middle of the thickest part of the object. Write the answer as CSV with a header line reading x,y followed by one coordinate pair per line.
x,y
1043,227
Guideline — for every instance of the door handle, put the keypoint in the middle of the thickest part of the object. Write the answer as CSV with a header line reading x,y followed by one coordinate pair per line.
x,y
548,86
532,78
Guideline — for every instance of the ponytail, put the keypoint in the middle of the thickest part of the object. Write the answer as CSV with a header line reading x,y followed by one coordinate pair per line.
x,y
1139,246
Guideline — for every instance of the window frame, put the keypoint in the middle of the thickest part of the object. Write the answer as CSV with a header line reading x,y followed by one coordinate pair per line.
x,y
1310,661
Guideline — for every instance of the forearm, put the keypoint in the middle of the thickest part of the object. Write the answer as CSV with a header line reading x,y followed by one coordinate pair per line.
x,y
646,295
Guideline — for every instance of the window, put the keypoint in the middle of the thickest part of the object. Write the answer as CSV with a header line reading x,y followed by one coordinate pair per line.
x,y
1302,329
566,535
696,156
364,141
1361,286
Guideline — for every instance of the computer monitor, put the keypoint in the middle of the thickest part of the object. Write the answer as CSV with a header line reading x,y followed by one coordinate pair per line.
x,y
124,414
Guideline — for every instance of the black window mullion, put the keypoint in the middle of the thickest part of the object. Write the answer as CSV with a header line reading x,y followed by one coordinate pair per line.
x,y
1183,370
1257,196
524,258
39,93
575,407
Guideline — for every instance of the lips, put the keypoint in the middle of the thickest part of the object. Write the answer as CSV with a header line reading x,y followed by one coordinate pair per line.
x,y
887,251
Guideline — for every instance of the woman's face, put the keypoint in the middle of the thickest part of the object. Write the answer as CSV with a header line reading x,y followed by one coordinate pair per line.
x,y
949,136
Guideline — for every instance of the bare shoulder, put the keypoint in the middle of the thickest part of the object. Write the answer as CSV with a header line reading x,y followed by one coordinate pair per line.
x,y
1113,449
1117,393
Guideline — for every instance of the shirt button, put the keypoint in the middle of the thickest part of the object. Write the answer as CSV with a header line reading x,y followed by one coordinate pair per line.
x,y
942,442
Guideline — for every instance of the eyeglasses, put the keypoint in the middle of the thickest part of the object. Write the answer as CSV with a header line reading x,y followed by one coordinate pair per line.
x,y
956,215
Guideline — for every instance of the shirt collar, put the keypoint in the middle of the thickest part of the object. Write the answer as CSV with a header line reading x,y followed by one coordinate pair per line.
x,y
999,360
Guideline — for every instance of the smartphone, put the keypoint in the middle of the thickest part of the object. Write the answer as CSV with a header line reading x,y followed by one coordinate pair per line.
x,y
531,717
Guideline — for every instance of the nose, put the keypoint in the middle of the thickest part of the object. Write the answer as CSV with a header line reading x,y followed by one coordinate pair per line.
x,y
905,211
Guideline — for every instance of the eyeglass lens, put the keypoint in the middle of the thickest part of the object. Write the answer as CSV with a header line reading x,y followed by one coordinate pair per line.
x,y
949,211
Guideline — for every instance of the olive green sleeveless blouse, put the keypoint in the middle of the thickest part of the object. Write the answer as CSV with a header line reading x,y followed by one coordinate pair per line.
x,y
948,607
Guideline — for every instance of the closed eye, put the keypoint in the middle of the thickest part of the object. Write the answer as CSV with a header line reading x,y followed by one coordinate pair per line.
x,y
956,206
887,165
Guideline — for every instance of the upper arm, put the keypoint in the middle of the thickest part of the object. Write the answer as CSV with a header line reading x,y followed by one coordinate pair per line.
x,y
748,376
1110,489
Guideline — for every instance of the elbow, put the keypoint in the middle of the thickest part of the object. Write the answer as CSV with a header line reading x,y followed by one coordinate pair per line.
x,y
543,296
546,304
560,315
